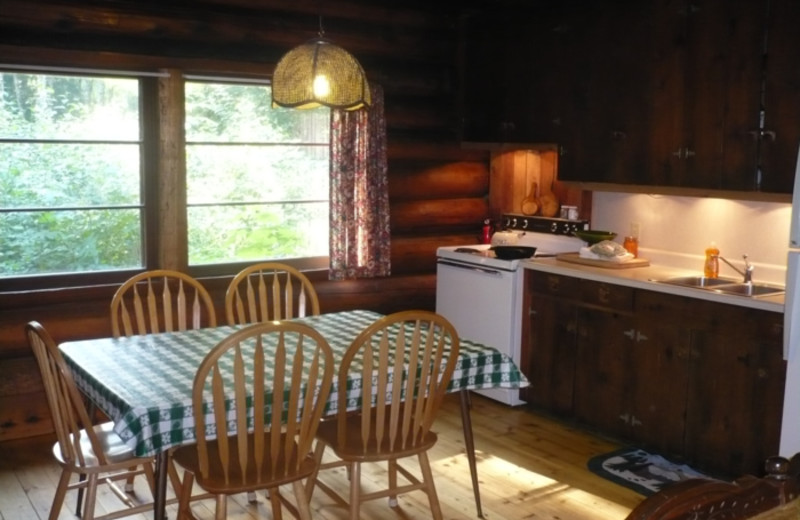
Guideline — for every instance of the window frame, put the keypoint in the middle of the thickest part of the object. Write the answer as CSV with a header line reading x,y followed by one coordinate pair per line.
x,y
163,178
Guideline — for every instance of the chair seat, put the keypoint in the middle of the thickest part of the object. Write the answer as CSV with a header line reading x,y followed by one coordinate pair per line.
x,y
115,450
354,449
253,479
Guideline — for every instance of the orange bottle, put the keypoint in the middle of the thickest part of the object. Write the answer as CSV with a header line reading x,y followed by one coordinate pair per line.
x,y
711,268
631,245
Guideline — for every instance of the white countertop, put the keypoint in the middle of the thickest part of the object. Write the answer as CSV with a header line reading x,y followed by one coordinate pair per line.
x,y
645,278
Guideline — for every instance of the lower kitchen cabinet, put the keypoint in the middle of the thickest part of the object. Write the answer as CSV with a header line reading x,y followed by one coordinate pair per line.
x,y
695,380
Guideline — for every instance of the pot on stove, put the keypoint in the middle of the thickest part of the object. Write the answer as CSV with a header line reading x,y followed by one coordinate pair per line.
x,y
506,238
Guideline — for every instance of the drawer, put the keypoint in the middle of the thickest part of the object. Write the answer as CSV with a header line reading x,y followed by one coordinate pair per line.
x,y
606,295
553,284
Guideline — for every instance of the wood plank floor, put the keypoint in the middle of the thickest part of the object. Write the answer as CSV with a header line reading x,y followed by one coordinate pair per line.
x,y
530,467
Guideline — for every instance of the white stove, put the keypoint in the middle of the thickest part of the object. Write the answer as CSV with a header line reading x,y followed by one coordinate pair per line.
x,y
481,294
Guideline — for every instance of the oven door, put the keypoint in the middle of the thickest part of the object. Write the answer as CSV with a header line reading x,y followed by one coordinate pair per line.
x,y
483,303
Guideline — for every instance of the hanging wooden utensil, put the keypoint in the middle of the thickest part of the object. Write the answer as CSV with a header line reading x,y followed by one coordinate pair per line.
x,y
530,204
548,202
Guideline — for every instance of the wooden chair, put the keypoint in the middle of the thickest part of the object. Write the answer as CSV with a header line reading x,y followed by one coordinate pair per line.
x,y
83,449
773,497
269,291
260,454
390,426
160,301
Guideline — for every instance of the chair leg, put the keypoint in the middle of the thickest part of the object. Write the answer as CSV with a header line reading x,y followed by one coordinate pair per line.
x,y
319,451
275,501
91,497
392,482
129,481
81,478
303,500
430,488
222,507
185,495
355,490
58,499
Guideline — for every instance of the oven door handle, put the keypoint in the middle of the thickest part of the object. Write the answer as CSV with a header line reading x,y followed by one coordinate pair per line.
x,y
480,269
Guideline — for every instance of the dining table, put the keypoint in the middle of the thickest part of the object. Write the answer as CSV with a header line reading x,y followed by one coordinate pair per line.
x,y
143,383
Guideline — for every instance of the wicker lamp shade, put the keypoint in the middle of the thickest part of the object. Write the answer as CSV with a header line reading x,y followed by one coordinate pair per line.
x,y
319,73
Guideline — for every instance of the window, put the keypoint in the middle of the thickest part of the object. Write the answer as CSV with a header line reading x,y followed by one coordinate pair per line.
x,y
78,176
257,176
69,174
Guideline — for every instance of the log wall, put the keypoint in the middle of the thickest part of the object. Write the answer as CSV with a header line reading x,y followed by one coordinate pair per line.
x,y
438,190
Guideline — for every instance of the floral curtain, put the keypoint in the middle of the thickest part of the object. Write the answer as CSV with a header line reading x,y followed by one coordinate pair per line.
x,y
359,193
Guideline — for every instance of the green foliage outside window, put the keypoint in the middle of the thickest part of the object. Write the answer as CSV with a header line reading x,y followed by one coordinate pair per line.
x,y
68,206
71,180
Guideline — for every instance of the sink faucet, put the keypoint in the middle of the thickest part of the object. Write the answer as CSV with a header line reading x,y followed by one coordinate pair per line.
x,y
748,268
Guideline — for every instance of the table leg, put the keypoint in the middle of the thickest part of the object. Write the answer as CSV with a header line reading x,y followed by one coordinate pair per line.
x,y
466,423
160,498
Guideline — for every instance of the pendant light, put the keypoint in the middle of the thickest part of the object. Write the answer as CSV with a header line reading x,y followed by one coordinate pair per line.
x,y
319,73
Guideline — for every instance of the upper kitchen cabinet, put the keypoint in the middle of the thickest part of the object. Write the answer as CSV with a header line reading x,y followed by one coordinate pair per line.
x,y
510,76
780,133
606,101
695,94
706,62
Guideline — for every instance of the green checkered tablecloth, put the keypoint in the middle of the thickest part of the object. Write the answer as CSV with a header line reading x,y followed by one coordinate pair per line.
x,y
144,383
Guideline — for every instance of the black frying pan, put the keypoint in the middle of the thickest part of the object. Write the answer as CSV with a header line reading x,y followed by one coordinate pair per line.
x,y
513,252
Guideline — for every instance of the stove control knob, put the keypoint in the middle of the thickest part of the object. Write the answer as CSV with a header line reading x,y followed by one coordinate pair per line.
x,y
514,223
525,224
554,227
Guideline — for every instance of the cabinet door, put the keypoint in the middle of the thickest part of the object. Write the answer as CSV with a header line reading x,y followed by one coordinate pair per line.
x,y
548,339
733,411
485,82
604,372
606,114
603,369
551,346
661,357
782,98
707,59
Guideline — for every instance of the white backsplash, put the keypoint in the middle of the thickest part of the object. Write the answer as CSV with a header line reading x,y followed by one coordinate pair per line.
x,y
676,231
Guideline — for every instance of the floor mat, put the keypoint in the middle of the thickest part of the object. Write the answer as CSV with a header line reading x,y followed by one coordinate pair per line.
x,y
640,471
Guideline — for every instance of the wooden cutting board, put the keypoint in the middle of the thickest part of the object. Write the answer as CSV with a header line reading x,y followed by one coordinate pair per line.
x,y
575,258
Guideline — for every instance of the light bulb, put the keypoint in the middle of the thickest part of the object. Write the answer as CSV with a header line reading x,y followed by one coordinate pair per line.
x,y
321,87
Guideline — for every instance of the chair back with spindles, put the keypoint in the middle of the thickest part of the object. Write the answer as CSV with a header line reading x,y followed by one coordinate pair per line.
x,y
269,291
161,300
70,417
292,383
397,412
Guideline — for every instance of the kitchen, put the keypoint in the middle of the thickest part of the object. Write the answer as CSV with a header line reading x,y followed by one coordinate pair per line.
x,y
441,191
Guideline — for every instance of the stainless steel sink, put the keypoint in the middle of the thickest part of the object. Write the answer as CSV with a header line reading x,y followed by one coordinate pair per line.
x,y
752,290
726,286
699,281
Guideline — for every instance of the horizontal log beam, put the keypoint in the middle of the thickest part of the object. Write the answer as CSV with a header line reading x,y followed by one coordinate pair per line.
x,y
461,179
419,215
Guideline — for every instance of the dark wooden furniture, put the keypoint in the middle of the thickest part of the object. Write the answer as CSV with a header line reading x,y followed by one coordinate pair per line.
x,y
667,94
774,497
698,380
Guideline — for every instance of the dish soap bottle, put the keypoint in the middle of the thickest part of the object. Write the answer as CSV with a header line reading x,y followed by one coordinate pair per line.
x,y
711,269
